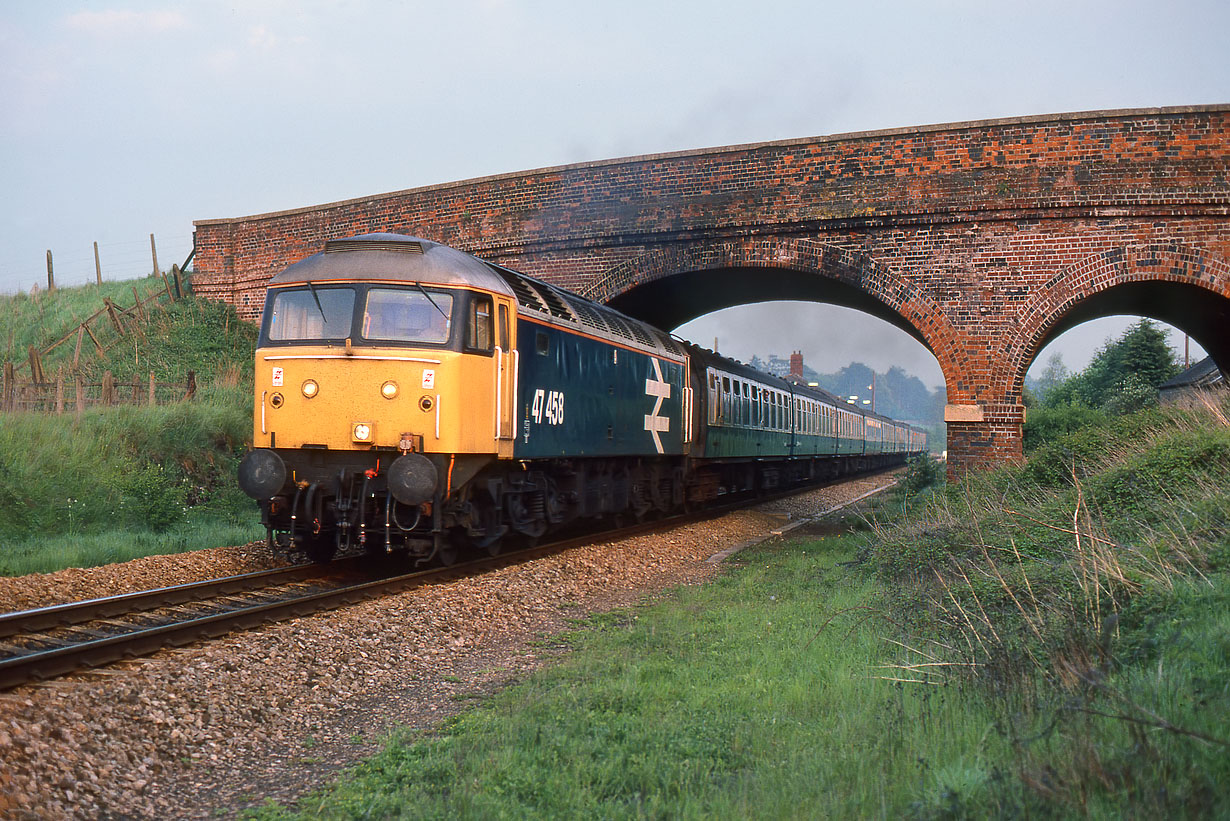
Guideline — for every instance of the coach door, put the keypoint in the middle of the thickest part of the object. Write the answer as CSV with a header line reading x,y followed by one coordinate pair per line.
x,y
506,368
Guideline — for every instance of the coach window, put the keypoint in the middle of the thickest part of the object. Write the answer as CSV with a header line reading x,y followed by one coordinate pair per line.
x,y
504,327
478,324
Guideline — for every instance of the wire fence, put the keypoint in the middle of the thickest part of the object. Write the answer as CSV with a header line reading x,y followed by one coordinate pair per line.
x,y
63,393
111,261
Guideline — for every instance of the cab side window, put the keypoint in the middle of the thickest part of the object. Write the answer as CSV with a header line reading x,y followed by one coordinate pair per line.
x,y
478,324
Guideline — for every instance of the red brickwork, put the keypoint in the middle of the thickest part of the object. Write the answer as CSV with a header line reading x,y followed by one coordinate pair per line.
x,y
983,239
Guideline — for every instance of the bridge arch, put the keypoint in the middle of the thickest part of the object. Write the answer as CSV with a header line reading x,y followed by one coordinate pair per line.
x,y
669,287
1183,285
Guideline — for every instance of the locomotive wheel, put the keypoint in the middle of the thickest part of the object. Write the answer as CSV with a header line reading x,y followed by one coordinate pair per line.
x,y
320,548
493,531
448,554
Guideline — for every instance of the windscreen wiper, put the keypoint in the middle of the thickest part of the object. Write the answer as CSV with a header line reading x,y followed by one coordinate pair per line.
x,y
324,318
432,301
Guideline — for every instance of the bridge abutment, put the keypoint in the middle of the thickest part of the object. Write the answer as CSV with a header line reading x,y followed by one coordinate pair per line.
x,y
983,436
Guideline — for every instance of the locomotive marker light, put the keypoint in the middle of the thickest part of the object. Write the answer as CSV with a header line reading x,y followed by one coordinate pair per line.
x,y
310,388
361,432
389,390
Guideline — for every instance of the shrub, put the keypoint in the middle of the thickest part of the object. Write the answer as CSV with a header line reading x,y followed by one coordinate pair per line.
x,y
921,472
1048,423
152,498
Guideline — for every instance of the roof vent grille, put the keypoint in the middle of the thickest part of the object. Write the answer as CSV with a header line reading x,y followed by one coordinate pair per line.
x,y
335,246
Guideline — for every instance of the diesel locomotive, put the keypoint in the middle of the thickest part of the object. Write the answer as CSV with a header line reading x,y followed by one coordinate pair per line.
x,y
410,396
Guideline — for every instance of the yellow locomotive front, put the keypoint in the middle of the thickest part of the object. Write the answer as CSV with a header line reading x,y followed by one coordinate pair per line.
x,y
384,381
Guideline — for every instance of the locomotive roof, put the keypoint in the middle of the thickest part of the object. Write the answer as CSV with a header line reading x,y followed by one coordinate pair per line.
x,y
393,257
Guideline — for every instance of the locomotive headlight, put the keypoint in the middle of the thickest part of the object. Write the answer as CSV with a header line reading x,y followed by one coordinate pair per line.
x,y
310,388
389,389
361,432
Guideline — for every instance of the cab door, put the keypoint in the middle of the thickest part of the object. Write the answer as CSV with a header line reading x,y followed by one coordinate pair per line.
x,y
507,368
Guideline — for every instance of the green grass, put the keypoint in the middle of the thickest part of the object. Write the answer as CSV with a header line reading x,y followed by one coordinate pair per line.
x,y
951,661
42,317
121,482
47,554
756,696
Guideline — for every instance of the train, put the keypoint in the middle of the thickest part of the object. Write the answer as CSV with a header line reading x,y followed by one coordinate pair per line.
x,y
412,397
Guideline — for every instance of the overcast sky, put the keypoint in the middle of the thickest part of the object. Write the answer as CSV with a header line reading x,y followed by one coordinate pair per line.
x,y
121,119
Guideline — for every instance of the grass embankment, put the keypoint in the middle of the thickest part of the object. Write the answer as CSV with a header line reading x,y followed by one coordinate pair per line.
x,y
127,481
970,659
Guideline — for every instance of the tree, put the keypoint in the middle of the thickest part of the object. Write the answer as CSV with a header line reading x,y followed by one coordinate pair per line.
x,y
1124,373
1141,352
1053,375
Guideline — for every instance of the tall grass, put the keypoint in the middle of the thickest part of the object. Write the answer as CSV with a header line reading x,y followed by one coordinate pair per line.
x,y
754,697
1059,592
190,334
39,318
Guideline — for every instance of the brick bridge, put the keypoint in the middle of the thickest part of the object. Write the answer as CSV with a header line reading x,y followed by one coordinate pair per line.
x,y
983,240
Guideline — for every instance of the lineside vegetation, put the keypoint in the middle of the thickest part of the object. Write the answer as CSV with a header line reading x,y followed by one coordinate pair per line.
x,y
118,483
1048,640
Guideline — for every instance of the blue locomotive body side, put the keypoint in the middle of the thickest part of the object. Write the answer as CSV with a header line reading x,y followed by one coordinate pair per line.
x,y
581,396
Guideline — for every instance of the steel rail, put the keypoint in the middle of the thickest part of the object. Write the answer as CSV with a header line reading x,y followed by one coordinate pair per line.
x,y
63,615
145,640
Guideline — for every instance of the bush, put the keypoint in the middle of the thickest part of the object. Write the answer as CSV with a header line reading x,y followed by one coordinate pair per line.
x,y
154,499
921,472
1048,423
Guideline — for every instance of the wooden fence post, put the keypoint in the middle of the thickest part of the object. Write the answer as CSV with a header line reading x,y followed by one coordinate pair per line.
x,y
108,389
153,396
158,271
6,398
51,278
139,307
97,265
115,317
191,385
77,351
101,353
36,366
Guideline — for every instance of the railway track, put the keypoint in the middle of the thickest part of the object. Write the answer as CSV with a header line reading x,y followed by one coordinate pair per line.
x,y
44,643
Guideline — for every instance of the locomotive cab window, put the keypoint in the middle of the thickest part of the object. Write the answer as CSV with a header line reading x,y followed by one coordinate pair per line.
x,y
478,324
311,314
401,315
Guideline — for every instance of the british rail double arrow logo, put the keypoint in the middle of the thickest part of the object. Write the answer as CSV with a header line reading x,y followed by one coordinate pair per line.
x,y
659,387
